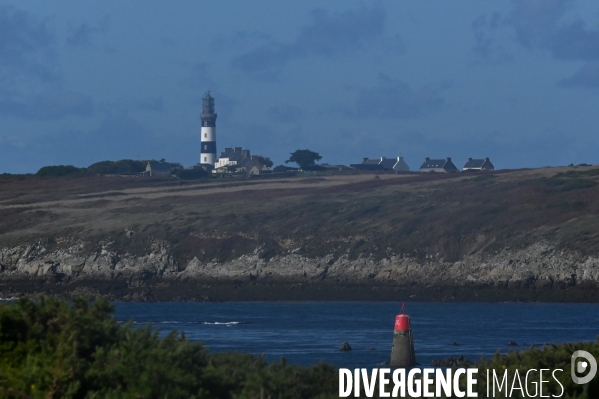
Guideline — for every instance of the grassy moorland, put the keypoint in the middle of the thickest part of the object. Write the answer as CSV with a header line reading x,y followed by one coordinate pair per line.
x,y
448,216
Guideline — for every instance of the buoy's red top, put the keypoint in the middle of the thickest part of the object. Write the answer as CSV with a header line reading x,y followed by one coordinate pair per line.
x,y
402,322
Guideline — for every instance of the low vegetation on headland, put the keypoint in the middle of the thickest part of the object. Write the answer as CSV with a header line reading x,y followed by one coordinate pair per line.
x,y
52,349
464,236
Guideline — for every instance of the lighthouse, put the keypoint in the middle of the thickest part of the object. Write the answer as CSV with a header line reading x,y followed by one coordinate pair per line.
x,y
208,132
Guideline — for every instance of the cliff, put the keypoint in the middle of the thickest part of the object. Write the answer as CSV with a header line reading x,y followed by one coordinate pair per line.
x,y
513,235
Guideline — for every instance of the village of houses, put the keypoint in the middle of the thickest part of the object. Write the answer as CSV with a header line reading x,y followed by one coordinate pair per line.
x,y
238,161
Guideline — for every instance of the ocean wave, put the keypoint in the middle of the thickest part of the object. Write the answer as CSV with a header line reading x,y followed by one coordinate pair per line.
x,y
12,298
214,323
224,323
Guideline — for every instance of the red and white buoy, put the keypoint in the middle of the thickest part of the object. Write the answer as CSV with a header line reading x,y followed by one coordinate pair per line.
x,y
402,352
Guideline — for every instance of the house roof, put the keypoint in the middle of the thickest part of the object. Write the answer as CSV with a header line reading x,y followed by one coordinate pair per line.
x,y
334,167
244,162
368,161
433,164
474,163
227,153
477,163
438,164
235,154
367,166
388,163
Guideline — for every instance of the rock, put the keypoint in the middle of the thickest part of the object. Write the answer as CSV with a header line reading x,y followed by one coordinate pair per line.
x,y
345,347
450,362
538,265
512,343
447,362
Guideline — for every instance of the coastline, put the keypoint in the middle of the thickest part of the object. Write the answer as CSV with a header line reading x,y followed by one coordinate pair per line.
x,y
524,235
157,290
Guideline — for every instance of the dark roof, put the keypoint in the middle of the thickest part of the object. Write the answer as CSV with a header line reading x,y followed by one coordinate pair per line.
x,y
478,163
160,166
438,164
388,163
374,161
245,162
474,163
334,167
227,153
367,166
235,154
433,163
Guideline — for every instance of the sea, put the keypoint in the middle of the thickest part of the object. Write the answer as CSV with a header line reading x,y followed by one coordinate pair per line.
x,y
305,333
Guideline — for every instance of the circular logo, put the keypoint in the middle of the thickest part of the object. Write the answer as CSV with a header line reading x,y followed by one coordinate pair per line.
x,y
579,366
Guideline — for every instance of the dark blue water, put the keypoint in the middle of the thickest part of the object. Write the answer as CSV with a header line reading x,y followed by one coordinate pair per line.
x,y
308,332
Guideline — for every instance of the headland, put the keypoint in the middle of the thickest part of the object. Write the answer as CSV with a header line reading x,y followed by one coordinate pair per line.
x,y
512,235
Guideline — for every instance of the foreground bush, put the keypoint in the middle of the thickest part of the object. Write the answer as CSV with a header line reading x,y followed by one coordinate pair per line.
x,y
50,349
549,357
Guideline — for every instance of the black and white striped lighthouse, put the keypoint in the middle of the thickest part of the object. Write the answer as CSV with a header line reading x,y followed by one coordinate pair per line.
x,y
208,132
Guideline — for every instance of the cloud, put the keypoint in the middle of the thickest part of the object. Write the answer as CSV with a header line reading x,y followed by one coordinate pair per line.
x,y
239,39
486,45
393,99
533,24
575,42
285,114
82,35
536,21
26,45
541,25
50,106
327,35
587,76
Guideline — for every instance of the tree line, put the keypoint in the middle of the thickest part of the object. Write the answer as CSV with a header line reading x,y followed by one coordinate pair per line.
x,y
305,159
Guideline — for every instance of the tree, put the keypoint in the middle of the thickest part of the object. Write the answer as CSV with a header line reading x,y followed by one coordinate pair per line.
x,y
304,158
264,160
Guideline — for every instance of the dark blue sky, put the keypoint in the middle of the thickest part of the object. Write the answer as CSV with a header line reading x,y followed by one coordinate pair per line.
x,y
82,82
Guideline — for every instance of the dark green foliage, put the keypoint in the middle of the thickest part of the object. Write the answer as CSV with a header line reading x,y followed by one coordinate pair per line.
x,y
191,174
50,349
548,357
60,170
264,160
304,158
122,167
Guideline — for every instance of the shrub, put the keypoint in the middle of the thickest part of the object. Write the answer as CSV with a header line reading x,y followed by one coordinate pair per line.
x,y
122,167
60,170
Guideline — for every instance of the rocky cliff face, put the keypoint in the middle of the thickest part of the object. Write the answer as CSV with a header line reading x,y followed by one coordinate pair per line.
x,y
539,268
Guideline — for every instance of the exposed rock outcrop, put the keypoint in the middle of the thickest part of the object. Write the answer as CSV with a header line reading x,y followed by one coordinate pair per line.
x,y
538,266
